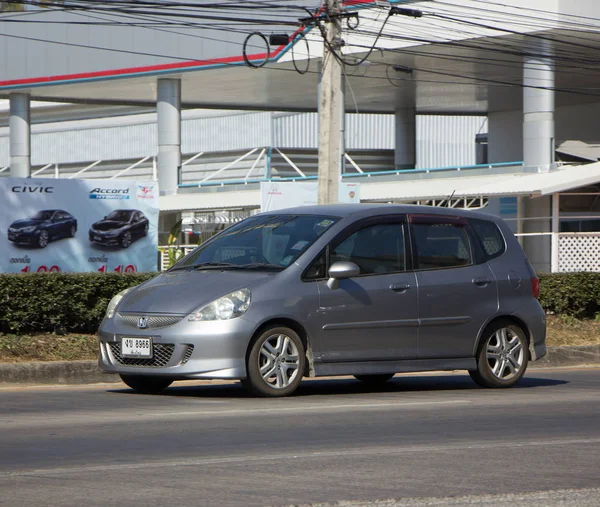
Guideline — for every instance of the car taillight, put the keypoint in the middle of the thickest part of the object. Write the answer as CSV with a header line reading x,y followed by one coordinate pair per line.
x,y
535,287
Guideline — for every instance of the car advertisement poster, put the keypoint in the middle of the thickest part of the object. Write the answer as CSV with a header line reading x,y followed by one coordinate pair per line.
x,y
53,225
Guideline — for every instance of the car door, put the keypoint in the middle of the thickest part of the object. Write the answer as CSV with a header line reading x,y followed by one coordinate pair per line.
x,y
135,224
373,316
457,291
56,225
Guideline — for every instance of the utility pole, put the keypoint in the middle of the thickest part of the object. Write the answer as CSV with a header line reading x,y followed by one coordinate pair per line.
x,y
330,108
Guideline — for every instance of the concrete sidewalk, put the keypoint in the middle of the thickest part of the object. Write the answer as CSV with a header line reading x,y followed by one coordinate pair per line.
x,y
87,372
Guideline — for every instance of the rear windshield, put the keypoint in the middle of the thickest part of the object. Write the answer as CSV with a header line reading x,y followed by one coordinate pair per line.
x,y
275,241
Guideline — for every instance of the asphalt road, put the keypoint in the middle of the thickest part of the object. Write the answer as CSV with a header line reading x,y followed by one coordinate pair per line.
x,y
203,445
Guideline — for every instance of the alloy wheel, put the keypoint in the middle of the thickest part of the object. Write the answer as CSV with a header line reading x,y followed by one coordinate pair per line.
x,y
505,353
278,361
126,240
43,239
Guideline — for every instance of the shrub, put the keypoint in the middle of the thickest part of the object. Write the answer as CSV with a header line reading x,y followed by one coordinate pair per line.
x,y
59,302
76,302
571,294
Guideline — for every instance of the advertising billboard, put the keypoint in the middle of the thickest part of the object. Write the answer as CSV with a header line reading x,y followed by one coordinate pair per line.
x,y
277,195
77,225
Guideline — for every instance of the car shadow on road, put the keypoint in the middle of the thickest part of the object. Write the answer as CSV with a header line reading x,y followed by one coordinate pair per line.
x,y
349,386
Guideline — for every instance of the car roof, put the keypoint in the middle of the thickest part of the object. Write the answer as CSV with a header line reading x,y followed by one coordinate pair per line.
x,y
364,210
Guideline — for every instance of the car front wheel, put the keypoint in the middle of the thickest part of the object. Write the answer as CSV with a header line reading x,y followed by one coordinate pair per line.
x,y
502,356
43,239
126,240
275,363
72,231
146,384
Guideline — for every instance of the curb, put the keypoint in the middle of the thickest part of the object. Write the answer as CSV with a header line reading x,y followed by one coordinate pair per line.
x,y
54,372
569,356
87,372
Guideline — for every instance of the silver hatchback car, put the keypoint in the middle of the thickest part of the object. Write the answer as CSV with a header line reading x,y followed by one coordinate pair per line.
x,y
362,290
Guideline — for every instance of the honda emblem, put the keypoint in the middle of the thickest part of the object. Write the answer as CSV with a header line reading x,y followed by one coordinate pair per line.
x,y
143,322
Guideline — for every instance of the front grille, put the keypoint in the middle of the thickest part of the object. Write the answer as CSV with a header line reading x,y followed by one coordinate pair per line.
x,y
188,354
162,353
154,322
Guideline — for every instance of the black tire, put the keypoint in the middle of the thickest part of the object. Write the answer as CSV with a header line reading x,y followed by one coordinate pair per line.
x,y
145,233
72,231
145,384
490,371
280,364
125,240
374,380
43,238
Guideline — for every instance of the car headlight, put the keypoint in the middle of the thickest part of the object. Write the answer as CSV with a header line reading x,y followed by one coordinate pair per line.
x,y
227,307
31,228
114,302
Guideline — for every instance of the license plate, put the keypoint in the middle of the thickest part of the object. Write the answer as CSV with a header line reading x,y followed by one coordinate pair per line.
x,y
97,238
136,347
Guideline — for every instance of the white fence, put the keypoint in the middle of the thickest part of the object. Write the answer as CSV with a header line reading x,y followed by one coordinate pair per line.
x,y
579,251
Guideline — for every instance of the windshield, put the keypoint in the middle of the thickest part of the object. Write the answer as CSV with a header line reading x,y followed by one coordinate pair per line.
x,y
43,215
119,215
275,241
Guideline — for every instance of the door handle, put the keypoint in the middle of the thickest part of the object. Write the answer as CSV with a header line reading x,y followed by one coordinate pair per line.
x,y
399,287
481,282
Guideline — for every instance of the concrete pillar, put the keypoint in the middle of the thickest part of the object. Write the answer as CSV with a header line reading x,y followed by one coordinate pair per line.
x,y
538,149
20,135
168,107
538,111
537,219
405,156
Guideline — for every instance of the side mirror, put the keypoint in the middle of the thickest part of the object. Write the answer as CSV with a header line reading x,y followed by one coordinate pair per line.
x,y
339,271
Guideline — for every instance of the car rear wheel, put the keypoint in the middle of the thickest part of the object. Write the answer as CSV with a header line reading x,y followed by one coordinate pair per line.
x,y
275,364
43,239
126,240
145,230
72,231
374,380
502,356
146,384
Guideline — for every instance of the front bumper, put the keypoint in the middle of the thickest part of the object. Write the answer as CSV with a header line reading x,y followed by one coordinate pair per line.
x,y
103,239
185,350
23,237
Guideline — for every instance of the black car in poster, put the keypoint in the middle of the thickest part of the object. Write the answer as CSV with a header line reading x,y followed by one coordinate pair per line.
x,y
120,228
43,227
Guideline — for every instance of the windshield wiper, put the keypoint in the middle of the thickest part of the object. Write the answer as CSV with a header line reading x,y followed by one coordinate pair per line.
x,y
229,265
259,265
204,265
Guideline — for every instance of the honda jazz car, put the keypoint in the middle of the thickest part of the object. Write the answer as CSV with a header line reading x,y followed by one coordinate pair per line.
x,y
43,227
120,228
362,290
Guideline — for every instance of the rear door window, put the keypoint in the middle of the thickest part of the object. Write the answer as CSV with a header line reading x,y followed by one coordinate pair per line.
x,y
441,245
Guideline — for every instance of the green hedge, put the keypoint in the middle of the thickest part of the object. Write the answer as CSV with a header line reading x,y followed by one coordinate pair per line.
x,y
59,302
63,302
573,294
